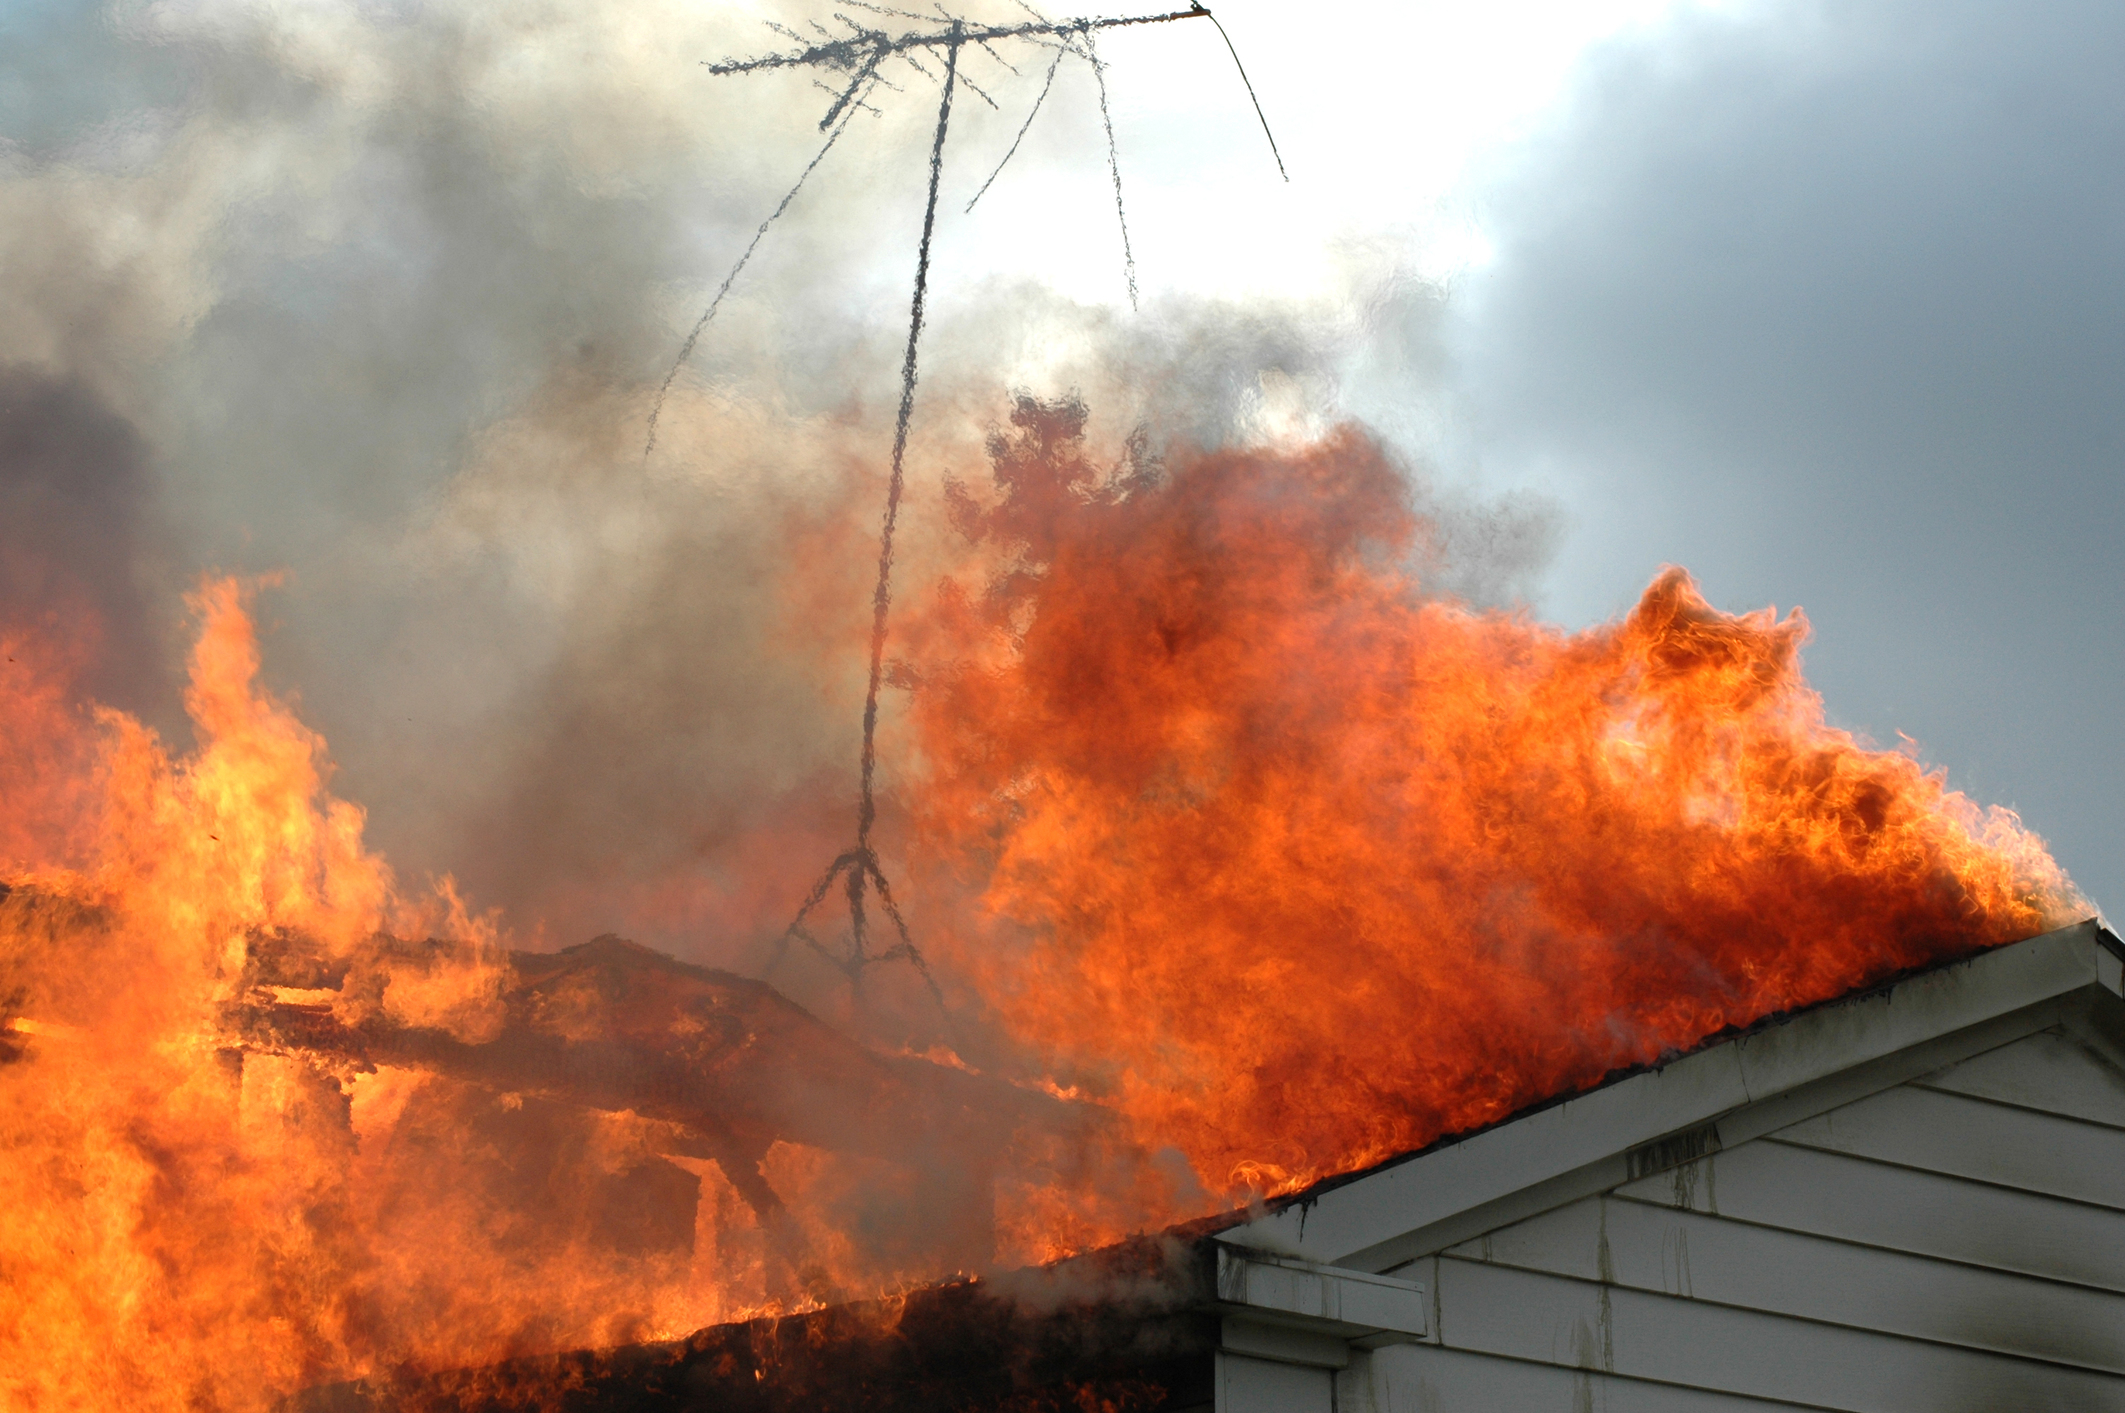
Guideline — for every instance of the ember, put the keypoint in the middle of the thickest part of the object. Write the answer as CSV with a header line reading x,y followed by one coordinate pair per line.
x,y
1230,830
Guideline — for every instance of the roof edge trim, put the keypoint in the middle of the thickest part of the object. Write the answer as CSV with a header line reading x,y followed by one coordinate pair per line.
x,y
1345,1216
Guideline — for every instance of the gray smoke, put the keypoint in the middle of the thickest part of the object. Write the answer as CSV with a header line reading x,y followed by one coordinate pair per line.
x,y
381,297
1823,301
75,537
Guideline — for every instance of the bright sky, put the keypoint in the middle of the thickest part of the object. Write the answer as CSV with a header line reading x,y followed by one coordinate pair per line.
x,y
1378,109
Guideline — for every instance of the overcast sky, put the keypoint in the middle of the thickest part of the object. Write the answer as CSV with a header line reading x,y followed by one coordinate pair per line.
x,y
1820,301
1827,302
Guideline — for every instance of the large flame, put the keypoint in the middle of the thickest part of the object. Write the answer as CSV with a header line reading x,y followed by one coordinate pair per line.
x,y
179,1237
1219,815
1308,867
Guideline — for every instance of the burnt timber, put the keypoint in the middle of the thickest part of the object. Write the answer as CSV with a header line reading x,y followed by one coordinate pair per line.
x,y
1905,1199
729,1063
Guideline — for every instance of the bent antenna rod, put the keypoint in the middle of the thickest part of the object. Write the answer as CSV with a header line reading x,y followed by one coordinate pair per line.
x,y
858,57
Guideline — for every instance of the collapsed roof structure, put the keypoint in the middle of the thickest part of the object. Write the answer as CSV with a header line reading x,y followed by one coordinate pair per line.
x,y
725,1066
1907,1198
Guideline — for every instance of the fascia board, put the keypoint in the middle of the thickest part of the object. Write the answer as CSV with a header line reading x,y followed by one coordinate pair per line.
x,y
1838,1036
1725,1131
1369,1211
1329,1299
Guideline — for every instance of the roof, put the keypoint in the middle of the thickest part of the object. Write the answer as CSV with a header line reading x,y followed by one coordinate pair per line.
x,y
1733,1087
1309,1277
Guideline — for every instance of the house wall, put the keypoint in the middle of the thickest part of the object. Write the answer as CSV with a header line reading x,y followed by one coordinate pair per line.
x,y
1956,1242
1249,1385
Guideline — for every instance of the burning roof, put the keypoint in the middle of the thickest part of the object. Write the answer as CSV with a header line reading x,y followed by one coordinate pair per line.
x,y
1215,698
1135,1326
1127,1329
1242,856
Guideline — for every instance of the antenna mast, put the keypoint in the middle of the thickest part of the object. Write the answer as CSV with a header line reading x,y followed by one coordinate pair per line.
x,y
858,57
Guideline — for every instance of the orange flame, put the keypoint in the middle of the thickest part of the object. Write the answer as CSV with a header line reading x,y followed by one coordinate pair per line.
x,y
48,746
1310,868
1290,864
174,1238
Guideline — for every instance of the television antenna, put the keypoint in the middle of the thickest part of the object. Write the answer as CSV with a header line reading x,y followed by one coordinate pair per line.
x,y
858,58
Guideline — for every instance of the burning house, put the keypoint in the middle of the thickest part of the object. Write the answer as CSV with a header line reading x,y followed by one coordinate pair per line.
x,y
1131,915
1902,1199
1341,993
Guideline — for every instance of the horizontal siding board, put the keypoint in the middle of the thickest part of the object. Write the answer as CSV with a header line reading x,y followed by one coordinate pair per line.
x,y
1927,1214
1735,1128
2048,1071
1703,1257
1551,1319
1416,1378
1247,1385
1975,1138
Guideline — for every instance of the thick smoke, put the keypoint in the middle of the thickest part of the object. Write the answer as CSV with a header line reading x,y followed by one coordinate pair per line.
x,y
75,497
378,300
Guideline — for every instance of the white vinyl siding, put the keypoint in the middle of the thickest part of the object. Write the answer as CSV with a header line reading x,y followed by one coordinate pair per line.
x,y
1901,1209
2004,1144
1434,1379
1953,1243
1247,1385
2049,1071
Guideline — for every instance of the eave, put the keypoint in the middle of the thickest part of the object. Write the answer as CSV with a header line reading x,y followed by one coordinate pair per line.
x,y
1731,1090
